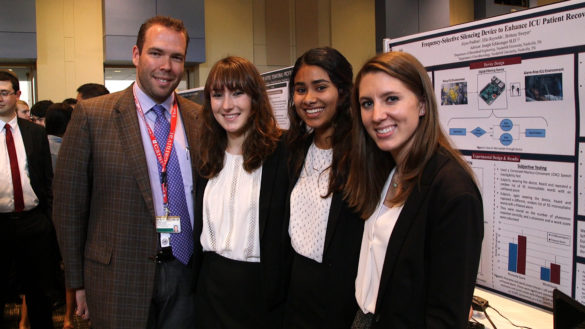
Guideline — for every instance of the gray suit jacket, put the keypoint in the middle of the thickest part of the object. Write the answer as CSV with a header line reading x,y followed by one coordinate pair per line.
x,y
103,208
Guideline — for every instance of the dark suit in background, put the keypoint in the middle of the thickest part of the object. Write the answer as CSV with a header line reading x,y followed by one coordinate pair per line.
x,y
104,212
27,238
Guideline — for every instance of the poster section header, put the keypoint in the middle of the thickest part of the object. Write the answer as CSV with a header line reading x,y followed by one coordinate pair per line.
x,y
495,39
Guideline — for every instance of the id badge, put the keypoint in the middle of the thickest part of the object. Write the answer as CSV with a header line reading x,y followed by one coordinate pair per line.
x,y
168,224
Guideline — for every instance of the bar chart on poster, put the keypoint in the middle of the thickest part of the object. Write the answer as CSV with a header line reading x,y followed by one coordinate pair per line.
x,y
510,91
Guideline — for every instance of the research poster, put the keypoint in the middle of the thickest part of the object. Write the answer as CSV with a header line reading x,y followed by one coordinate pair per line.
x,y
510,95
277,89
195,95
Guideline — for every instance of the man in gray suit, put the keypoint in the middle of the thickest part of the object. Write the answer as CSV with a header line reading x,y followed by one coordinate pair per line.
x,y
124,177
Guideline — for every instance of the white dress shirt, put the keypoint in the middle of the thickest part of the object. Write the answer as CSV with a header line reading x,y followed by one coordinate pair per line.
x,y
309,212
377,231
6,189
231,212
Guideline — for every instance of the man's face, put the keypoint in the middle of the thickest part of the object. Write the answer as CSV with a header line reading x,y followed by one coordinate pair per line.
x,y
159,68
22,111
8,102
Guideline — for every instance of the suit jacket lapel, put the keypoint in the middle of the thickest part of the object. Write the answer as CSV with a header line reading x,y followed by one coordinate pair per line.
x,y
189,117
404,224
334,211
126,120
26,139
198,205
269,170
397,238
30,148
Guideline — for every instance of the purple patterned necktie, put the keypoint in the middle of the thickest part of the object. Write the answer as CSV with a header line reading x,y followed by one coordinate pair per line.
x,y
181,243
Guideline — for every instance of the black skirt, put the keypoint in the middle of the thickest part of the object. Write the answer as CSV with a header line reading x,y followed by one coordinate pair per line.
x,y
320,296
229,295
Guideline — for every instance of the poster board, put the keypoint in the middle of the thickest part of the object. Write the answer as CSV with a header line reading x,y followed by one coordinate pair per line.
x,y
510,92
194,94
277,88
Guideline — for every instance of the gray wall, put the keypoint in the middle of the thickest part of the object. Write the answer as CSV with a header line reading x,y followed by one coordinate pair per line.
x,y
122,19
398,18
18,37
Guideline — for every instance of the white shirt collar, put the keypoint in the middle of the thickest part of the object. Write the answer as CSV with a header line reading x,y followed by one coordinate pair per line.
x,y
147,103
13,123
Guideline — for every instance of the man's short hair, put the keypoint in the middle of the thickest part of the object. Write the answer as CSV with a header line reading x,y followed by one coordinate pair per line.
x,y
172,23
40,108
9,76
58,116
70,101
90,90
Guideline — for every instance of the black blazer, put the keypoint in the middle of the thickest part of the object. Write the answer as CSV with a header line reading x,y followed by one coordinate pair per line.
x,y
274,250
38,157
335,285
433,253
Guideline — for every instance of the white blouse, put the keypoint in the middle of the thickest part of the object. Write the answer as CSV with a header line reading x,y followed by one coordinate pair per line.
x,y
309,212
377,231
231,212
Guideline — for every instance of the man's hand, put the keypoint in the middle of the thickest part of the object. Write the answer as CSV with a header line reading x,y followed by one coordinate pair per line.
x,y
82,309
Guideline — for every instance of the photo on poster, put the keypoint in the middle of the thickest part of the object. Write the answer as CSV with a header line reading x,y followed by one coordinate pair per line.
x,y
544,87
492,90
515,89
454,93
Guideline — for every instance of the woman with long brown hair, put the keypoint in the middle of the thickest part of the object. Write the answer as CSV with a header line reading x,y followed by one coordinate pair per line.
x,y
325,234
422,238
239,203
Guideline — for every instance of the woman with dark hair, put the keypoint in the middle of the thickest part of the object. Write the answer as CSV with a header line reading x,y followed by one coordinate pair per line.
x,y
325,234
240,201
422,238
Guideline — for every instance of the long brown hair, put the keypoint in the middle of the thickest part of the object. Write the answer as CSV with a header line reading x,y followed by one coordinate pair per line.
x,y
236,73
371,166
299,136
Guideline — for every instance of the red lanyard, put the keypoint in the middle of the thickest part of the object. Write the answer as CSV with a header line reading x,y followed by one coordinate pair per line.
x,y
163,159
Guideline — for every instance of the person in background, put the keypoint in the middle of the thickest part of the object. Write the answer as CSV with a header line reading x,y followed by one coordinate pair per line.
x,y
423,208
325,233
240,215
70,101
91,90
39,110
27,234
22,110
56,121
124,178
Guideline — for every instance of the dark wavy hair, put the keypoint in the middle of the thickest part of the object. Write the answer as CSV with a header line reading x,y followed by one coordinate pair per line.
x,y
371,166
299,135
236,73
